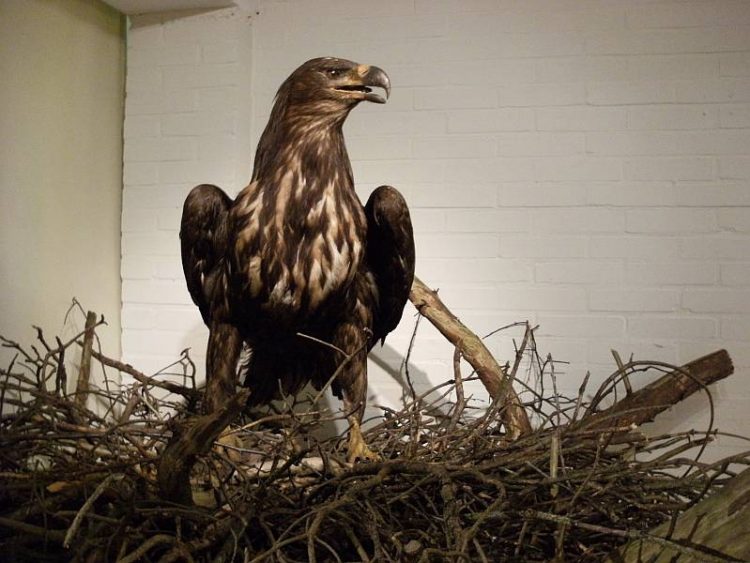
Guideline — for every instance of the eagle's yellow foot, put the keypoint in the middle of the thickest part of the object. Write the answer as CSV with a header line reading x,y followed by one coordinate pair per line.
x,y
228,443
358,450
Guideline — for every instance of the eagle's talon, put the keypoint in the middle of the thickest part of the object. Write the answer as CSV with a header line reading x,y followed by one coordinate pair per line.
x,y
358,450
362,453
229,444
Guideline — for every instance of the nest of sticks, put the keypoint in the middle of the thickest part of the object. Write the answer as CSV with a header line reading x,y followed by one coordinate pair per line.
x,y
83,474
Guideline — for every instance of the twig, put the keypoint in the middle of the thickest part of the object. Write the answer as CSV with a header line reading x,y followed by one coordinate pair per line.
x,y
460,399
86,507
187,392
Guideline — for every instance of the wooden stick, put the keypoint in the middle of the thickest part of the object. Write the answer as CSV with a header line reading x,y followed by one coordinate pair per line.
x,y
84,374
39,531
643,405
492,375
73,529
180,454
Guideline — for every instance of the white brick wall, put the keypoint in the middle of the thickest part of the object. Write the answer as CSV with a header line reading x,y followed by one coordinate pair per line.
x,y
580,163
187,121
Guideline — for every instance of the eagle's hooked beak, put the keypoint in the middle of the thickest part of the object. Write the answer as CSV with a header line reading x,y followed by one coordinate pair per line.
x,y
358,83
376,77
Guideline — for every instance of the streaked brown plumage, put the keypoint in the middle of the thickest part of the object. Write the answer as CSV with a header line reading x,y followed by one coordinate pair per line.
x,y
296,252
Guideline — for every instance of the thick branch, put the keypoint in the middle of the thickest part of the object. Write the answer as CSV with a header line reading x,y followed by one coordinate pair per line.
x,y
472,348
718,523
179,455
644,404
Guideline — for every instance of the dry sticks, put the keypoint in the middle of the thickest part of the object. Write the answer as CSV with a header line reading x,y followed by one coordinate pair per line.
x,y
456,482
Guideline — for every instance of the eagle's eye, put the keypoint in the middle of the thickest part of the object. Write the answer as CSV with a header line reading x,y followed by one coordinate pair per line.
x,y
334,72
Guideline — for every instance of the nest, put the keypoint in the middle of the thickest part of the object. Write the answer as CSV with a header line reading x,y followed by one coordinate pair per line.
x,y
80,481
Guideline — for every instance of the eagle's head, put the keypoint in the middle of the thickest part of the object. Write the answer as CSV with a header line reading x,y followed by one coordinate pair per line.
x,y
330,84
310,109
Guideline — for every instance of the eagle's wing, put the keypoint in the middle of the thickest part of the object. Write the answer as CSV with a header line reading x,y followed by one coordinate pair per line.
x,y
390,255
203,237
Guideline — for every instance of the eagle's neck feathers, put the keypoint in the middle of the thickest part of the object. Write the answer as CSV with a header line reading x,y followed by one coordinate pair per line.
x,y
303,186
305,138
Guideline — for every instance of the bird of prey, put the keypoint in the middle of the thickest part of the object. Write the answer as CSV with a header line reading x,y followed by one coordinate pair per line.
x,y
295,267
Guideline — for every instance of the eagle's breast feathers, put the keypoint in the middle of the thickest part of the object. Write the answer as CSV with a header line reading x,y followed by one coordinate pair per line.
x,y
299,247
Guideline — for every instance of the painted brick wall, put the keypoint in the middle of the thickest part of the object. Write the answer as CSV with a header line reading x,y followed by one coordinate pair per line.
x,y
582,164
187,121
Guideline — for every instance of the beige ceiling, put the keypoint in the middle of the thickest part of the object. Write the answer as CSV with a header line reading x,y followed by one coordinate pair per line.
x,y
146,6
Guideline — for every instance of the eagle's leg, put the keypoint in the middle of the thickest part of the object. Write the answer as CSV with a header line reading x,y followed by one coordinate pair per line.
x,y
355,395
222,354
357,448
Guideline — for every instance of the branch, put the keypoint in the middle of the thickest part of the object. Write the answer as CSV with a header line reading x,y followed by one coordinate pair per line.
x,y
86,507
38,531
82,388
492,375
643,405
179,455
141,377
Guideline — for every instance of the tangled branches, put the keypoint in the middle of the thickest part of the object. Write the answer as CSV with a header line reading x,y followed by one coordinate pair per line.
x,y
452,484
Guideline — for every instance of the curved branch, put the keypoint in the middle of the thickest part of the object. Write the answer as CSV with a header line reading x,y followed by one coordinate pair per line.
x,y
492,375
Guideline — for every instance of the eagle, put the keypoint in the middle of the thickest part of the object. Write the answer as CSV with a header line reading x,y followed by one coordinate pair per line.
x,y
295,267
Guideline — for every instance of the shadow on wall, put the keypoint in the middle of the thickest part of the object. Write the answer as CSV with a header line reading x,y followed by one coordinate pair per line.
x,y
157,18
